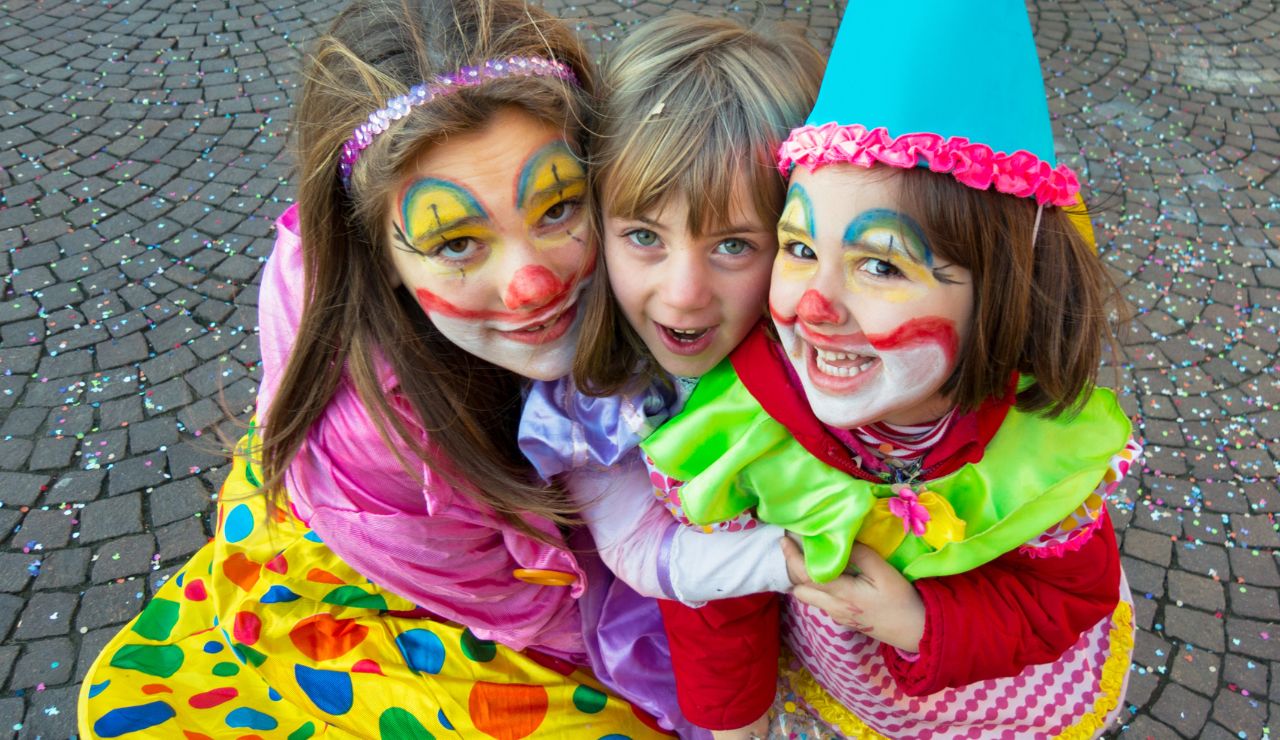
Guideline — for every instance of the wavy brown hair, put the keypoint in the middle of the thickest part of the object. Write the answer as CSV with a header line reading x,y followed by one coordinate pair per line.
x,y
1043,307
376,50
690,107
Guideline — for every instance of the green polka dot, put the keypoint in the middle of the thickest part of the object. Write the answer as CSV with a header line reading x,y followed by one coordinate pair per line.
x,y
226,668
157,620
481,651
355,596
397,724
248,654
303,732
153,660
589,700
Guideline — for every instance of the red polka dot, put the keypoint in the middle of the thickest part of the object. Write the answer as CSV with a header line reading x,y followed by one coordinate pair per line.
x,y
213,698
367,666
156,688
278,564
247,627
195,590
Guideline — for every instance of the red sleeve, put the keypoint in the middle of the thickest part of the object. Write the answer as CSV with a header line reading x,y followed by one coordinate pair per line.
x,y
1013,612
725,658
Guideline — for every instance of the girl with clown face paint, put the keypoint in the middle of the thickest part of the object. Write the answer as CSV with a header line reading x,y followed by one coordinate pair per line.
x,y
693,110
385,560
922,415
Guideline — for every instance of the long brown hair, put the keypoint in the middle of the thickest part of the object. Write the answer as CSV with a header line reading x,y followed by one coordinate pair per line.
x,y
469,409
1044,307
691,107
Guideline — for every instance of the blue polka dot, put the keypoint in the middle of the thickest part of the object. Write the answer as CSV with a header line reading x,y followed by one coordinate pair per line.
x,y
328,690
238,524
422,650
213,647
444,721
278,595
272,695
312,536
615,736
251,719
178,578
124,720
97,688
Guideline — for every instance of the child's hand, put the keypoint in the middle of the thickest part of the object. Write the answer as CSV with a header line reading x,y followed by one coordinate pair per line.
x,y
877,601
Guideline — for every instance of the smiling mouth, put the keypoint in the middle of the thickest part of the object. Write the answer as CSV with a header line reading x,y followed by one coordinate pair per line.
x,y
547,331
842,364
685,341
839,372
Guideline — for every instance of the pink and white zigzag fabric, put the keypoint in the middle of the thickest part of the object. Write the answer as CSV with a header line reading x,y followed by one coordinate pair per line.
x,y
1040,702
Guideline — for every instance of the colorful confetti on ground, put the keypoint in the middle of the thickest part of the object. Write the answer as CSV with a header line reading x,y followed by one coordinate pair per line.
x,y
142,162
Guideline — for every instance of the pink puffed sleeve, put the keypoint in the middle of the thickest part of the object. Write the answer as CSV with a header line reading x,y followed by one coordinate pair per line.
x,y
416,537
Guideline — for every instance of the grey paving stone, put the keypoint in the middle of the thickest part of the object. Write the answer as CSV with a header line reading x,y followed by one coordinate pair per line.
x,y
47,662
112,517
122,557
77,486
49,529
1182,710
52,713
110,604
21,489
63,569
47,614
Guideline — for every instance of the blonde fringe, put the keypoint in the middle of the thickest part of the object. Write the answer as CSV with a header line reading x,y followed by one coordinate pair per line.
x,y
837,716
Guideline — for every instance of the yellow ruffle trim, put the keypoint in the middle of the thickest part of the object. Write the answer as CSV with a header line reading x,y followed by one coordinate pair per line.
x,y
1113,673
834,714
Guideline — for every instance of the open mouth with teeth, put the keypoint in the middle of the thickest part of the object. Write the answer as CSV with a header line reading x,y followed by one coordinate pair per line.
x,y
685,341
839,371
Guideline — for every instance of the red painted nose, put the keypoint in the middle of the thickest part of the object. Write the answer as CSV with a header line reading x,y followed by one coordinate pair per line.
x,y
814,308
531,287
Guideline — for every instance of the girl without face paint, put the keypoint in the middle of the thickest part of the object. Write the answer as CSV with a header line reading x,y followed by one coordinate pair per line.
x,y
924,410
692,113
385,557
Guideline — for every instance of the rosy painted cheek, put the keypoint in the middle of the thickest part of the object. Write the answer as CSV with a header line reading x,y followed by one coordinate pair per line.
x,y
923,331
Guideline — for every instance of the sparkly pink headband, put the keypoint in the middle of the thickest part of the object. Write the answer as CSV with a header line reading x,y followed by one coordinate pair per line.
x,y
1022,173
397,108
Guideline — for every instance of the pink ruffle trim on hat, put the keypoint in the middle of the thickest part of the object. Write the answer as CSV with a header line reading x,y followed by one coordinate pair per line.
x,y
1022,173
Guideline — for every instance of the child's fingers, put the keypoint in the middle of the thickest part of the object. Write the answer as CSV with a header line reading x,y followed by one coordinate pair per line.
x,y
797,571
833,598
868,562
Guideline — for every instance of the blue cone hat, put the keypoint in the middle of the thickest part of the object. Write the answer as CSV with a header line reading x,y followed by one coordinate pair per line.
x,y
952,85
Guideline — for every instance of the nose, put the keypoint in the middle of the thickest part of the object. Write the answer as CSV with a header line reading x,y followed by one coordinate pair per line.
x,y
686,286
815,308
532,286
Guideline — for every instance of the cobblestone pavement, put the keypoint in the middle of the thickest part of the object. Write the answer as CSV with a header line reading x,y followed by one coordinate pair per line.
x,y
141,166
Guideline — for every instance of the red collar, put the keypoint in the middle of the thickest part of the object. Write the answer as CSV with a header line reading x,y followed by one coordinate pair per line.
x,y
760,365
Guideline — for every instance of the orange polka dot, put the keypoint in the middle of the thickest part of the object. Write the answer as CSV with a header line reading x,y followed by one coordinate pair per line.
x,y
195,735
240,570
318,575
321,637
507,711
156,688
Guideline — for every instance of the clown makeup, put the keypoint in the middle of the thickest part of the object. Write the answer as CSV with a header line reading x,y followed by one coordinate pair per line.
x,y
691,297
489,236
870,318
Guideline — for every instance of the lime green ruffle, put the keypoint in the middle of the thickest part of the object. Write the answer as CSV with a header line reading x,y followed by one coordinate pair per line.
x,y
734,457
